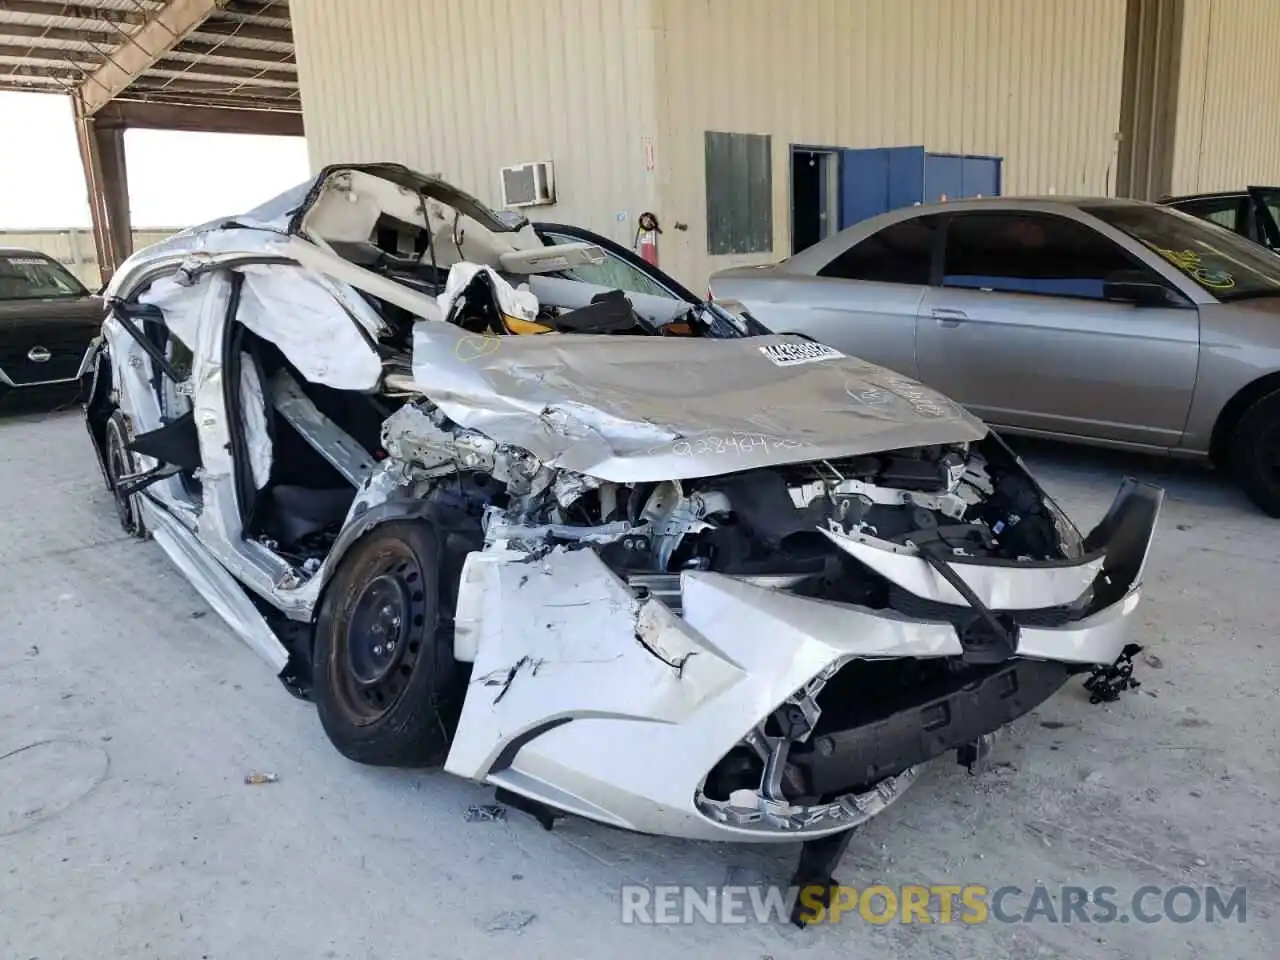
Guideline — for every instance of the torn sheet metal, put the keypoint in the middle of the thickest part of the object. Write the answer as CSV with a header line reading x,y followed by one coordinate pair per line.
x,y
413,436
344,178
219,589
266,228
631,409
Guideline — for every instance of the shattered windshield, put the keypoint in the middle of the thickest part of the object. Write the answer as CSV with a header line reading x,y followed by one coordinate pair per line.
x,y
1220,262
621,270
33,277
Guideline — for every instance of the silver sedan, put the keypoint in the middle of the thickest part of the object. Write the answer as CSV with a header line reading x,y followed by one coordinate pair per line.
x,y
1106,321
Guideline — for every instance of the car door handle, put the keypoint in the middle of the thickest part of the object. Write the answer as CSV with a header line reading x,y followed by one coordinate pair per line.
x,y
947,317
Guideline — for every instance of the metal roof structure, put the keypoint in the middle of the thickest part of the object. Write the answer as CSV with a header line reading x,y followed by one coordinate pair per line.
x,y
209,65
228,54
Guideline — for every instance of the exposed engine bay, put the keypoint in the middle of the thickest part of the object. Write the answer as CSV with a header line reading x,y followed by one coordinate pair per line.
x,y
767,522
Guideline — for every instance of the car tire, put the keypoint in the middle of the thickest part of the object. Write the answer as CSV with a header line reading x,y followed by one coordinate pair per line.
x,y
1255,453
384,677
120,462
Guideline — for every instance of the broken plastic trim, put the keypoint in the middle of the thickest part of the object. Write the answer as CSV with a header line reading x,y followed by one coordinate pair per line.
x,y
995,644
845,812
766,808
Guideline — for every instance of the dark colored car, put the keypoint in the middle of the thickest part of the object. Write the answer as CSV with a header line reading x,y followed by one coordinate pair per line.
x,y
1253,212
47,319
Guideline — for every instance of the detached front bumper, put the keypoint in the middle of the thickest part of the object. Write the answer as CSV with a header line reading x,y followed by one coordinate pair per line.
x,y
742,718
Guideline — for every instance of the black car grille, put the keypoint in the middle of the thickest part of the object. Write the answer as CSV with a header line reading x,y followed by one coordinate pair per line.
x,y
66,346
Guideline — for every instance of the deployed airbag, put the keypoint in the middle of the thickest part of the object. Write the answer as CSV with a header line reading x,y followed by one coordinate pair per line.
x,y
289,308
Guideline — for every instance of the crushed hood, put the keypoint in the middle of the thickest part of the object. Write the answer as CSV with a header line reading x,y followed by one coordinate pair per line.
x,y
638,409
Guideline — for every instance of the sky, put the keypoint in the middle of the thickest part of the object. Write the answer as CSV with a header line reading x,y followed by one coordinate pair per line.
x,y
176,179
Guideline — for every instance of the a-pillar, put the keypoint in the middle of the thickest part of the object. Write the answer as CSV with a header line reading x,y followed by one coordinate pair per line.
x,y
106,177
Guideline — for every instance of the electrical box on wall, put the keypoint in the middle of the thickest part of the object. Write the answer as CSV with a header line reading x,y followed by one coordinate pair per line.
x,y
528,184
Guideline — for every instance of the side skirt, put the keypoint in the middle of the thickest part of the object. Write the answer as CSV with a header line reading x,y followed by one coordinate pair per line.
x,y
211,580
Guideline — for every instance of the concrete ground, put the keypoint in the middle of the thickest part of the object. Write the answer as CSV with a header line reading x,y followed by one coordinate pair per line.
x,y
129,718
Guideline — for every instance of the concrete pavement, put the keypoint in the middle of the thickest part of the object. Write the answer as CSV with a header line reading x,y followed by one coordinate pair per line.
x,y
127,828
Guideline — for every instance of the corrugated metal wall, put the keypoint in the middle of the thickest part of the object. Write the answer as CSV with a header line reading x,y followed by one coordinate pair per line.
x,y
1035,81
1229,86
465,87
73,248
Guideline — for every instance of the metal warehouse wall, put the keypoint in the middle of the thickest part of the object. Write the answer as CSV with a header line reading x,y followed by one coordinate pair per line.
x,y
1229,86
74,249
1037,82
465,87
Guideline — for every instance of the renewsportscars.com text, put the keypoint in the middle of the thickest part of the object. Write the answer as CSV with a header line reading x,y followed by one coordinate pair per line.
x,y
933,903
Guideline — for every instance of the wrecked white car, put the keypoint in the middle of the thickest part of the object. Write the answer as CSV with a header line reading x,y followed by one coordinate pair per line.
x,y
612,553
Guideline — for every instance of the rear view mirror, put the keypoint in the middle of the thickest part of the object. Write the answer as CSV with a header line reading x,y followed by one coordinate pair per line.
x,y
1138,288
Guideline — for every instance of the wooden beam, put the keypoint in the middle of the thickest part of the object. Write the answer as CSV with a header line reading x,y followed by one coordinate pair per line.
x,y
165,29
72,11
202,119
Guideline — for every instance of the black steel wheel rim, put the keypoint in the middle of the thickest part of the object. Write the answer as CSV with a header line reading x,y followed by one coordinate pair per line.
x,y
377,633
118,465
380,639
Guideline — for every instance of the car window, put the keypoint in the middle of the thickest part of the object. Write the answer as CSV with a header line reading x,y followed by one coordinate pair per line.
x,y
31,276
900,253
1269,199
1032,253
1224,211
1226,265
615,273
1273,207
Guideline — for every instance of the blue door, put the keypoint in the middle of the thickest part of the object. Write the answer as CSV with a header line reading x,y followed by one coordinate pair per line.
x,y
980,176
873,181
955,177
